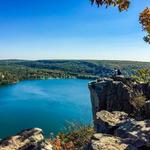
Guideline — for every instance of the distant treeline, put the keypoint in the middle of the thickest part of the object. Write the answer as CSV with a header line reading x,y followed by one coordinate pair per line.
x,y
16,70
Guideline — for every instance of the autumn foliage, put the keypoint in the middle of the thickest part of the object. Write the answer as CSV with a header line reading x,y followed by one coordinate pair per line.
x,y
58,144
121,4
74,139
145,21
124,5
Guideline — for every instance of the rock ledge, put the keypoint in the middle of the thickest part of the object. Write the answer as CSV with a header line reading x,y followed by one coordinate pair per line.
x,y
121,114
31,139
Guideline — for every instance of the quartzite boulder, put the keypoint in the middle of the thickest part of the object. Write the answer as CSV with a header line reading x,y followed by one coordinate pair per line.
x,y
107,122
108,142
31,139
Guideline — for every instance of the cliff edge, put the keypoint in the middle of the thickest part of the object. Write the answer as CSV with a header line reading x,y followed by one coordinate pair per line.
x,y
121,113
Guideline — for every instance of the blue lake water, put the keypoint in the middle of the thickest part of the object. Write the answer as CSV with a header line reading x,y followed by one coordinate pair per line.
x,y
47,104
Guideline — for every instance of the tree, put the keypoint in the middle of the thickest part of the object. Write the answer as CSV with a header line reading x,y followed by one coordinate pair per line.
x,y
123,5
142,75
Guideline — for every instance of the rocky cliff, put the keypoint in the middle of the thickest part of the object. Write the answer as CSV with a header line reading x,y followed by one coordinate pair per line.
x,y
121,113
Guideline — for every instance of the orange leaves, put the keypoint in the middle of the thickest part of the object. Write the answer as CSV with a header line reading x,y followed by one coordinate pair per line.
x,y
145,21
59,145
121,4
69,146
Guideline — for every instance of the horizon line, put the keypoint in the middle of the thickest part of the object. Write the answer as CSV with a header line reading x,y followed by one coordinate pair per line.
x,y
74,59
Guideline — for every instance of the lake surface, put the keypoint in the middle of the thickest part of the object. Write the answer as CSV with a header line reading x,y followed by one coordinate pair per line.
x,y
47,104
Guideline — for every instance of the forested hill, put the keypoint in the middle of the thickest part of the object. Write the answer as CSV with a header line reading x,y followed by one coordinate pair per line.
x,y
16,70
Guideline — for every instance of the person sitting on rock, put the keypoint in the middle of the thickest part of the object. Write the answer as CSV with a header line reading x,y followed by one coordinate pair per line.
x,y
119,72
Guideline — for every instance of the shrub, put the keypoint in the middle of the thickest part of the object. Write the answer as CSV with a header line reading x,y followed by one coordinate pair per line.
x,y
76,138
142,75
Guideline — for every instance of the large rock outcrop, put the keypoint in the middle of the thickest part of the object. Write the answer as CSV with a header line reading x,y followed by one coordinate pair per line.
x,y
120,94
107,122
115,133
31,139
121,114
108,142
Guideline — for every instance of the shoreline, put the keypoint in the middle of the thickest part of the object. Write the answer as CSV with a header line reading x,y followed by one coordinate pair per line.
x,y
81,78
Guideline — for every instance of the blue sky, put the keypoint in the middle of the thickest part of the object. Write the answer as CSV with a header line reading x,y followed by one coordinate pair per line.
x,y
70,29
